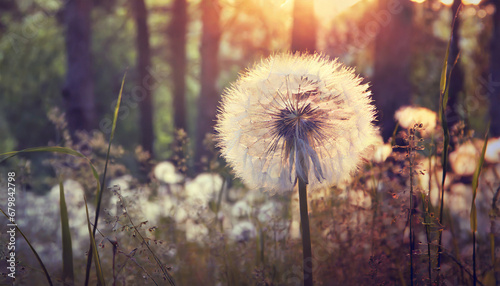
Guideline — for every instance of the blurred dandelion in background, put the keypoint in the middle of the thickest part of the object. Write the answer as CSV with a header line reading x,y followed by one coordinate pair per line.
x,y
408,116
295,116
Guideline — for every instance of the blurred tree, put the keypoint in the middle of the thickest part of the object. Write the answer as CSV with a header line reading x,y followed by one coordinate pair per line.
x,y
177,34
494,84
7,6
457,75
392,61
304,27
78,90
145,87
209,95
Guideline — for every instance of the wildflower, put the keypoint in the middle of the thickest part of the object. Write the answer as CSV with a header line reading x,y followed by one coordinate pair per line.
x,y
379,152
295,116
196,232
202,189
269,211
382,152
464,159
408,116
243,231
241,209
166,172
493,150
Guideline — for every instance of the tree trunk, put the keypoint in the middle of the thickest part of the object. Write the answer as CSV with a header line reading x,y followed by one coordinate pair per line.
x,y
494,84
143,92
457,75
209,95
177,34
391,77
78,90
304,27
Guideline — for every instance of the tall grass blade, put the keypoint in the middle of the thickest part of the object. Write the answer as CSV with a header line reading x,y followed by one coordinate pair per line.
x,y
93,246
68,151
475,183
32,250
473,211
99,191
54,149
67,249
444,87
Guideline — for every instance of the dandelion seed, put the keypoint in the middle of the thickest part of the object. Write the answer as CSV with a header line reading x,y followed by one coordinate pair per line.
x,y
295,116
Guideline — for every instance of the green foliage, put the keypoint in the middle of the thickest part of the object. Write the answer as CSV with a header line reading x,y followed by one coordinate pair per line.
x,y
67,249
31,76
93,250
475,184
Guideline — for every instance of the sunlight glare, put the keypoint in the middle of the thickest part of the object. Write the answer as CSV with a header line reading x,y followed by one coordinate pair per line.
x,y
473,2
449,2
328,9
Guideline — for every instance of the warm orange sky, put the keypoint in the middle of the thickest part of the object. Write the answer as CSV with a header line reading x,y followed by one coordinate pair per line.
x,y
449,2
339,6
324,8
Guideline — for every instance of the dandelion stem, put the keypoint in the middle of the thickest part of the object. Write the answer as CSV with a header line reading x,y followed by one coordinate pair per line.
x,y
306,236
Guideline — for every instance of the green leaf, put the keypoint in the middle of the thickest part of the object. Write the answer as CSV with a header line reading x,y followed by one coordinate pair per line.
x,y
117,108
67,249
32,250
444,70
93,246
475,184
99,194
55,149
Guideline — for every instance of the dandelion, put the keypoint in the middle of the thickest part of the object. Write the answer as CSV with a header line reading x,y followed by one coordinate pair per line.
x,y
493,151
408,116
166,172
378,152
295,116
241,209
463,159
243,231
296,119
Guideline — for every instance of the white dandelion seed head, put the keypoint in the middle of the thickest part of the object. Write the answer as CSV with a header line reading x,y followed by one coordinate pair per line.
x,y
269,211
241,209
204,188
243,231
378,152
167,173
492,154
463,160
295,116
382,152
408,116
